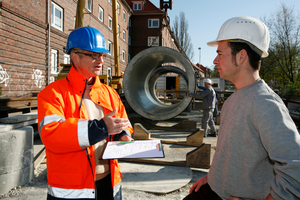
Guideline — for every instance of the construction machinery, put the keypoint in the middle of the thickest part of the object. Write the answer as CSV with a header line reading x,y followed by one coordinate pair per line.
x,y
116,81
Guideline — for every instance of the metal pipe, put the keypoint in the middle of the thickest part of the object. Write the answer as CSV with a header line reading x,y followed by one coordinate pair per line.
x,y
115,34
79,14
140,79
49,50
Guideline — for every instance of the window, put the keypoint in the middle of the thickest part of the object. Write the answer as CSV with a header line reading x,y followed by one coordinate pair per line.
x,y
110,2
129,40
137,6
153,23
110,47
153,41
124,35
90,5
56,16
123,55
100,16
129,21
53,61
66,59
118,8
110,23
124,15
128,58
109,75
118,30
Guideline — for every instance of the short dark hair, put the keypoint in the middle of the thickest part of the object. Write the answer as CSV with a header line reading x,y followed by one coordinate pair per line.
x,y
254,58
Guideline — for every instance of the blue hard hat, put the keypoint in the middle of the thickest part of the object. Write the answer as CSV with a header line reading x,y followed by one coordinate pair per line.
x,y
87,38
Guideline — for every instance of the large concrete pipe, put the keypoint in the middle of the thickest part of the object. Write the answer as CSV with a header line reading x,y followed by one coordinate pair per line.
x,y
141,75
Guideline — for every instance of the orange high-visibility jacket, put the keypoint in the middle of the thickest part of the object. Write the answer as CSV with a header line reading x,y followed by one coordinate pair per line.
x,y
69,136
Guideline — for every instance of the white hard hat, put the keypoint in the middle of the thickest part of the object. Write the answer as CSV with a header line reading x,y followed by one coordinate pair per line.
x,y
207,80
245,29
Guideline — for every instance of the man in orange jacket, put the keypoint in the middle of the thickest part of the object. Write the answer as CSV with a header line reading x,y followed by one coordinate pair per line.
x,y
77,115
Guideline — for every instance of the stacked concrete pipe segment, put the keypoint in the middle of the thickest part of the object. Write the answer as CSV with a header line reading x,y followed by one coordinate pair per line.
x,y
140,79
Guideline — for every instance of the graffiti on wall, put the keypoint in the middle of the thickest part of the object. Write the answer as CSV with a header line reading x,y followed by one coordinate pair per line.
x,y
38,78
4,77
15,81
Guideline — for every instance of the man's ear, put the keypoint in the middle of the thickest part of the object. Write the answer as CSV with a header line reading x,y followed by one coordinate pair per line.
x,y
74,58
241,56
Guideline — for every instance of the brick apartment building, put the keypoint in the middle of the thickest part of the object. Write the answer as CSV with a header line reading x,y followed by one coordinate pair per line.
x,y
33,36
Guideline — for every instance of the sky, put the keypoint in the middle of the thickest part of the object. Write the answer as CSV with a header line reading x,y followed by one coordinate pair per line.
x,y
205,19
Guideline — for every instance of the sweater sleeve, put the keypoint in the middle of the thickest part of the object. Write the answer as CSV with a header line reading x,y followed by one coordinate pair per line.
x,y
281,140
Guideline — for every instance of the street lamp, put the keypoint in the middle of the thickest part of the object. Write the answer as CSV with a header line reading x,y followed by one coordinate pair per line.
x,y
199,55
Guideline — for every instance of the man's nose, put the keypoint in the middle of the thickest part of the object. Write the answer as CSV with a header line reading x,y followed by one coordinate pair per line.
x,y
216,60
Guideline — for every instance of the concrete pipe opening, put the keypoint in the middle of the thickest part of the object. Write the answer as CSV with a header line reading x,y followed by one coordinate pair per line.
x,y
140,82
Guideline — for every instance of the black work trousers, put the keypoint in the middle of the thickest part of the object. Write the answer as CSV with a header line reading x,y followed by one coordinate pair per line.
x,y
204,193
105,189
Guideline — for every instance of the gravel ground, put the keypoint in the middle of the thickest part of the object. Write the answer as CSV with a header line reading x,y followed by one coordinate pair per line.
x,y
37,188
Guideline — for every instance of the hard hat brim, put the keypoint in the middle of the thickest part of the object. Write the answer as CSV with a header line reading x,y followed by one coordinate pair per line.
x,y
215,43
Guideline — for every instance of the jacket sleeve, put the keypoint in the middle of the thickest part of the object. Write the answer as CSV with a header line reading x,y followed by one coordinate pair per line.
x,y
202,94
63,135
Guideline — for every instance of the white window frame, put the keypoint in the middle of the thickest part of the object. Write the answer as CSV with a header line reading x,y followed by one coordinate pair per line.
x,y
123,55
110,47
54,57
110,1
153,41
101,14
54,19
124,15
90,5
118,30
67,59
118,8
138,6
151,23
110,23
124,35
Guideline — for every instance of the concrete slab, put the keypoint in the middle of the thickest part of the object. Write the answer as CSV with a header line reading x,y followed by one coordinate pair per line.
x,y
16,161
154,178
19,118
9,127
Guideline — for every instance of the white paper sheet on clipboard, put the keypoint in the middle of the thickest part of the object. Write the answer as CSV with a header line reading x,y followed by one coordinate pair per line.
x,y
134,149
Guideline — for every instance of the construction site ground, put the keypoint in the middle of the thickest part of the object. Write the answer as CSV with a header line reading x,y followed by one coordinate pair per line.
x,y
131,183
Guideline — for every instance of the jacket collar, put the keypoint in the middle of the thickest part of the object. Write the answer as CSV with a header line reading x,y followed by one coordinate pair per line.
x,y
78,81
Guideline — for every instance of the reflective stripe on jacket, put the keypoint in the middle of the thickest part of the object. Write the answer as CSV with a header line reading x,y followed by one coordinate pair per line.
x,y
65,132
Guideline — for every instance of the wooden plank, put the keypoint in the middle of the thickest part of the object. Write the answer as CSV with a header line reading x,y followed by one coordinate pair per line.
x,y
20,103
200,157
181,163
40,158
140,133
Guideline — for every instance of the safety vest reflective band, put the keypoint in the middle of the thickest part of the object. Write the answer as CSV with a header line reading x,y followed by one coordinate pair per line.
x,y
71,193
82,128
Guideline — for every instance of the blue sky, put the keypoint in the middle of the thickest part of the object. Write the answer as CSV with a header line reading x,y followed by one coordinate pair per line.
x,y
206,17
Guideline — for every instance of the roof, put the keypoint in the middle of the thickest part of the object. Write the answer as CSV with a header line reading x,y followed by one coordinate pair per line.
x,y
149,7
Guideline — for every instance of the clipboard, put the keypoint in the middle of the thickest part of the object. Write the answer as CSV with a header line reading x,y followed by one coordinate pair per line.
x,y
133,149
